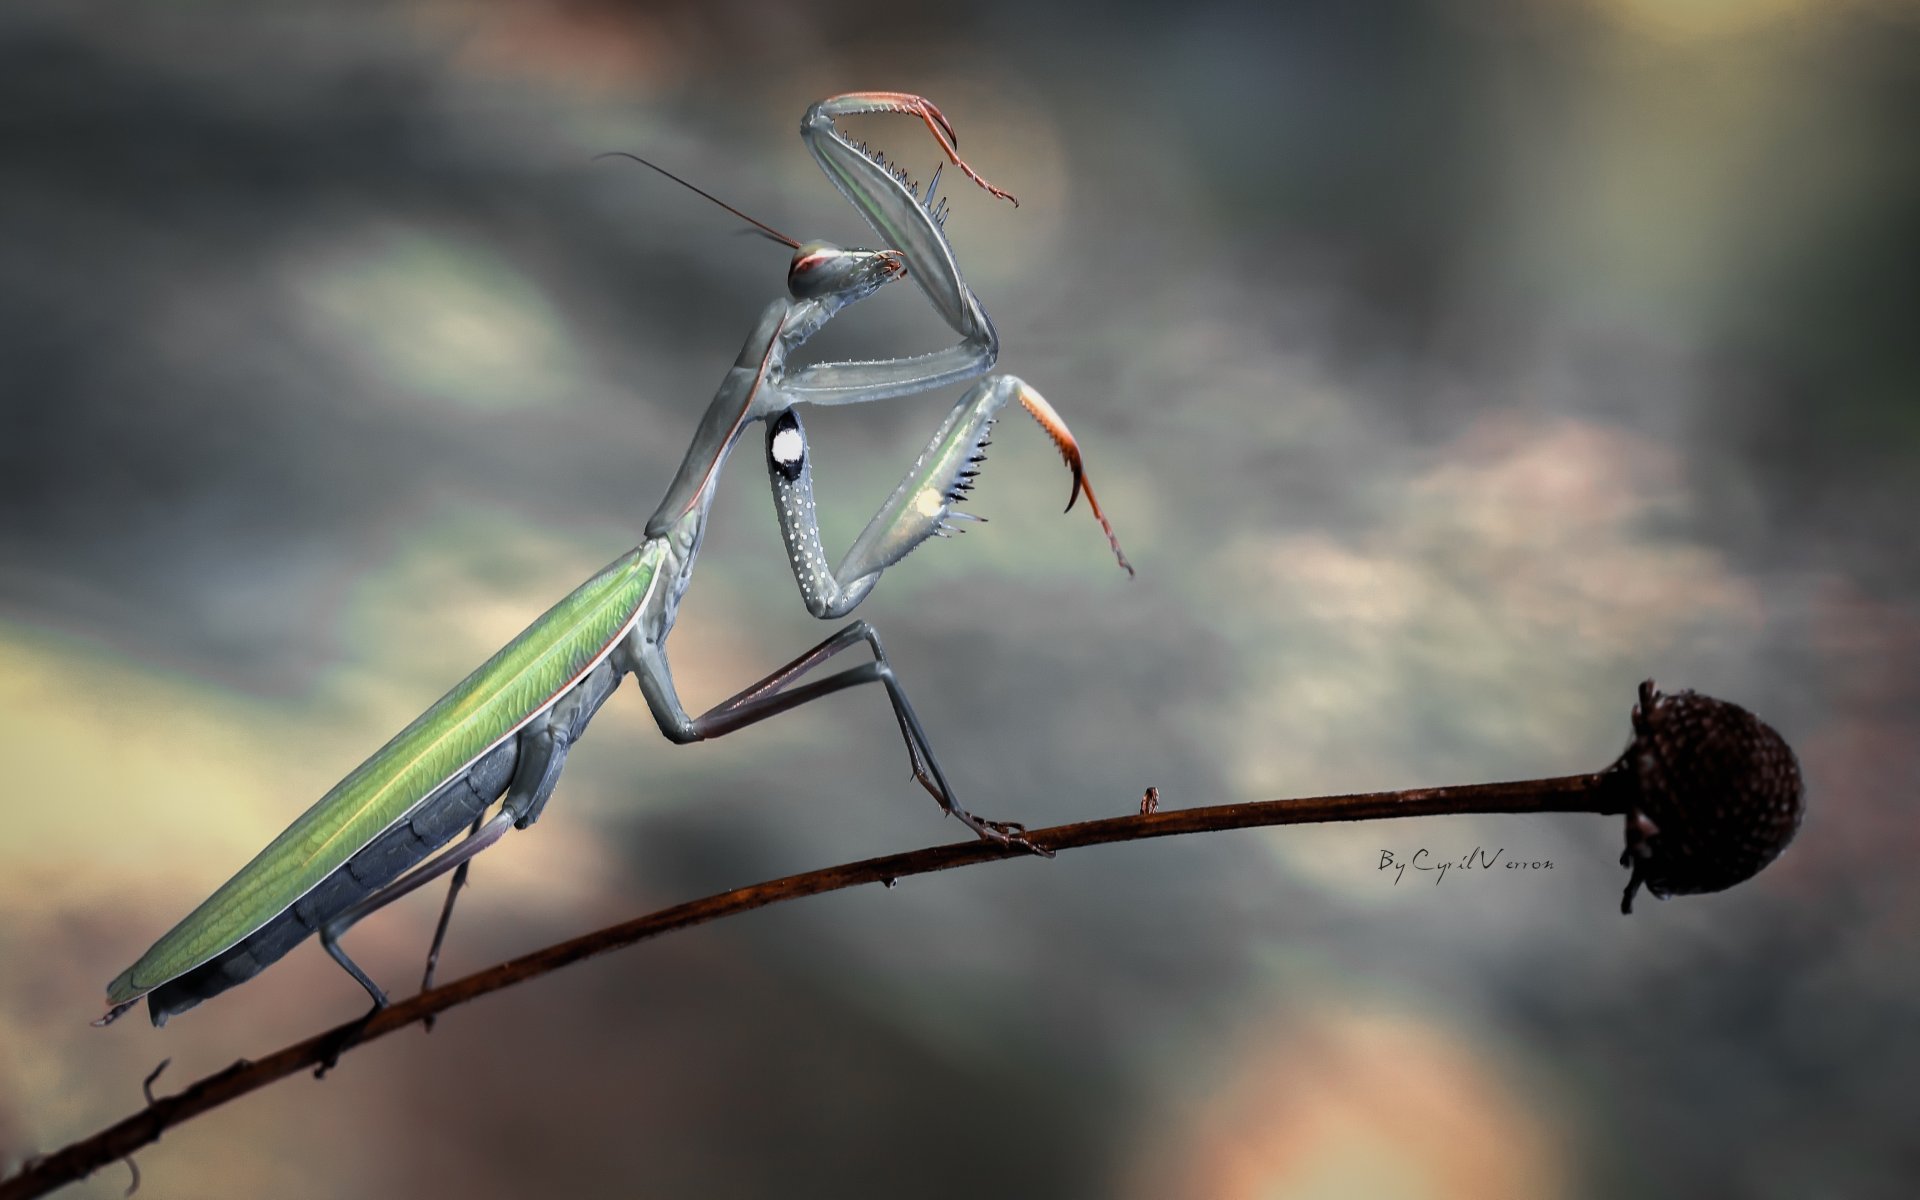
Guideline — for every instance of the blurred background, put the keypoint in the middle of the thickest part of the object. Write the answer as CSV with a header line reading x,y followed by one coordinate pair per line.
x,y
1445,368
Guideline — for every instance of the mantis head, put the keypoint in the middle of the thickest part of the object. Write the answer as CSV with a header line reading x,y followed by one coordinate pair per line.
x,y
822,270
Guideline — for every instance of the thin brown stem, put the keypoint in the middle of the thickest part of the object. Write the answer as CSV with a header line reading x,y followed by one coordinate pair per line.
x,y
1594,793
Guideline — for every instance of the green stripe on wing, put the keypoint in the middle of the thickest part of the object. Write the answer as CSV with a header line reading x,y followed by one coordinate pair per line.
x,y
526,676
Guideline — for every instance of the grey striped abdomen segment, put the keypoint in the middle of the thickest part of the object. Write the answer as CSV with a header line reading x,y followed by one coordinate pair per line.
x,y
437,821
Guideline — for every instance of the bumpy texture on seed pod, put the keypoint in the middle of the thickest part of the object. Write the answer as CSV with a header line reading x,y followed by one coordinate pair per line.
x,y
1715,795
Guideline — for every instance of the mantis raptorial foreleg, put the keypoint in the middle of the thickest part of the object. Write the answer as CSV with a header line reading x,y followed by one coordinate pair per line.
x,y
904,221
919,508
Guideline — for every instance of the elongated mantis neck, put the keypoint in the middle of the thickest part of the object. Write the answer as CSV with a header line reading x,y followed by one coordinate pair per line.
x,y
739,401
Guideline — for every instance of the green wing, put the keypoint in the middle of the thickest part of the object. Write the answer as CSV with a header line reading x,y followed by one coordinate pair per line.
x,y
527,675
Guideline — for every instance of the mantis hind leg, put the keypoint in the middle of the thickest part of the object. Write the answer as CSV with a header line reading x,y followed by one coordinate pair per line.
x,y
446,918
542,751
485,836
544,744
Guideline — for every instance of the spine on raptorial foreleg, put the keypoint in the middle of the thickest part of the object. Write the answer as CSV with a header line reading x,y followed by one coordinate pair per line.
x,y
922,505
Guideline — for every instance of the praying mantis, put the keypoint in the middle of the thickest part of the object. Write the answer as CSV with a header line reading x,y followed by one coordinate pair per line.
x,y
506,729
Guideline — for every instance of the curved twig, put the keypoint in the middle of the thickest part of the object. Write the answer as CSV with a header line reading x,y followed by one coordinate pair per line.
x,y
1595,793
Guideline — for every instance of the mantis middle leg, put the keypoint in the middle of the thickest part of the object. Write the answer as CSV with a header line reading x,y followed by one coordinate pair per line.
x,y
780,692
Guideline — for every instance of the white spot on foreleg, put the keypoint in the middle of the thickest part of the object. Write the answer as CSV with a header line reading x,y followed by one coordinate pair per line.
x,y
788,447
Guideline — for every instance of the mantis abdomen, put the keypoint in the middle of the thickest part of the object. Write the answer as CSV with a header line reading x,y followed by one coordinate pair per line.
x,y
437,821
408,799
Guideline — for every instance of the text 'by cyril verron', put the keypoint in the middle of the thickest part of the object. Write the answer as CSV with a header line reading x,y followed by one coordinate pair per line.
x,y
1477,860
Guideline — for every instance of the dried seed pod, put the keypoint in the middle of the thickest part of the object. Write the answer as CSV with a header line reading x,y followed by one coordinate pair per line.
x,y
1713,794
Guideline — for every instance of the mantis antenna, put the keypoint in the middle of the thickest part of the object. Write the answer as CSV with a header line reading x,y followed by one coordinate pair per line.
x,y
762,226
